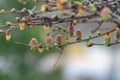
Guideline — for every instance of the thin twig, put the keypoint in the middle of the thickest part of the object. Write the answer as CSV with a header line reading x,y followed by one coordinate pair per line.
x,y
60,55
100,24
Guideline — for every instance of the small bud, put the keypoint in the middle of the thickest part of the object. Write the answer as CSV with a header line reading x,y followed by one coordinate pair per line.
x,y
17,19
98,33
13,10
2,11
107,36
46,27
43,8
117,31
107,39
22,25
107,43
90,36
23,19
75,21
8,36
24,10
8,23
89,44
66,40
93,8
40,48
59,5
81,9
55,17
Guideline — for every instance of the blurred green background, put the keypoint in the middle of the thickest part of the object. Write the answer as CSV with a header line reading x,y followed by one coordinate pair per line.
x,y
18,62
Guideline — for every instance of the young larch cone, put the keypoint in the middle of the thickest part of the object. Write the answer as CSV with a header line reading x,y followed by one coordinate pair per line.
x,y
78,34
49,40
71,28
33,41
105,13
59,39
